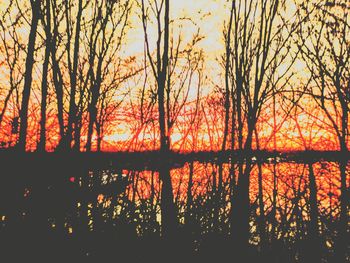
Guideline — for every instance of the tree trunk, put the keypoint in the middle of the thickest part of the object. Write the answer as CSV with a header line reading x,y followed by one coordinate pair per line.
x,y
168,209
241,206
73,79
42,143
58,84
312,250
57,76
93,108
28,75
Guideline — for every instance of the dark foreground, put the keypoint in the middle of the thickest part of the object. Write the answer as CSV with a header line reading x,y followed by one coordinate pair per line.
x,y
106,207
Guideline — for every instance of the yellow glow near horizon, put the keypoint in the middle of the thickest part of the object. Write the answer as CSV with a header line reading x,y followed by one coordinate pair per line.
x,y
209,17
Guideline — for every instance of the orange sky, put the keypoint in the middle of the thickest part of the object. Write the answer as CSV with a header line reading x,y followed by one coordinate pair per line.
x,y
209,16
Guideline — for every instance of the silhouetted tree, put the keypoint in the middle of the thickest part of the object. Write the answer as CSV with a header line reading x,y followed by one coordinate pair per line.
x,y
46,20
107,33
260,45
35,8
326,53
160,69
13,51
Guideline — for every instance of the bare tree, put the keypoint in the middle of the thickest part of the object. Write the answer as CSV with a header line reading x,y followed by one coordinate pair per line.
x,y
160,69
174,67
260,45
35,8
46,20
12,50
57,18
327,56
105,40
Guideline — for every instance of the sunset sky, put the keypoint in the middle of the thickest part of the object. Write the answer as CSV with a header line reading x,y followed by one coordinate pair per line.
x,y
209,16
187,18
184,130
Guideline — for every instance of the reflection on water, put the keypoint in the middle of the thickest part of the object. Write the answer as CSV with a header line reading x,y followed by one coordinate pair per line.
x,y
127,202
